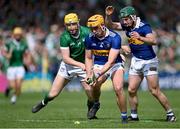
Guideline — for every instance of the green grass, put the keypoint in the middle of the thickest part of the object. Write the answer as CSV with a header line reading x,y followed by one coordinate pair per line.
x,y
71,106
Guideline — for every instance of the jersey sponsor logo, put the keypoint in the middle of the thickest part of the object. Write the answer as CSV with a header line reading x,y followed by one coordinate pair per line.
x,y
104,45
135,41
62,69
100,52
72,44
101,45
78,43
94,44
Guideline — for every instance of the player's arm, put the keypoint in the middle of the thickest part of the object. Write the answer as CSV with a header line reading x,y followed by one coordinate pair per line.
x,y
68,60
125,49
111,60
108,20
113,53
28,58
88,62
149,37
7,52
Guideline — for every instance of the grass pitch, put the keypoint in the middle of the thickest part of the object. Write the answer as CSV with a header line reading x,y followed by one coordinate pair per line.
x,y
69,110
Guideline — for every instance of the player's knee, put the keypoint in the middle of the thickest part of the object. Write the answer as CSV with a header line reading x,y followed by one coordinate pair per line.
x,y
131,91
118,90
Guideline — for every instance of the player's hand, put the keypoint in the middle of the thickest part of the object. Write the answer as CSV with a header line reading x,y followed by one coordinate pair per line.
x,y
92,79
3,51
135,35
109,10
126,49
82,66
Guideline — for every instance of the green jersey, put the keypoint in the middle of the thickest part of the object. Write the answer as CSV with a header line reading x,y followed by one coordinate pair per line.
x,y
75,45
18,49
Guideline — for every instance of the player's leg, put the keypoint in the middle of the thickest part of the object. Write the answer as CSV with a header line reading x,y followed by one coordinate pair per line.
x,y
11,76
153,84
18,86
118,81
19,75
81,74
17,90
96,95
88,90
57,86
12,84
134,83
90,101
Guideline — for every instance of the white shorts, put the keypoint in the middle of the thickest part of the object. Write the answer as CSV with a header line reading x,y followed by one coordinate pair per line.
x,y
114,68
143,67
70,71
15,72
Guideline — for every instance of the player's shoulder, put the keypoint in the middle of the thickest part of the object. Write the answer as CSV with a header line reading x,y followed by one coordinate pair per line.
x,y
84,28
143,24
8,42
112,33
65,35
23,40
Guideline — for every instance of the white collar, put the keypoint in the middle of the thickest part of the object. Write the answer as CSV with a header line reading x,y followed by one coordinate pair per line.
x,y
77,36
138,21
17,43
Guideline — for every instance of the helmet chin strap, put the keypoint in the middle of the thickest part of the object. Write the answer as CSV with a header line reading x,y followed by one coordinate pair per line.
x,y
134,18
78,31
103,28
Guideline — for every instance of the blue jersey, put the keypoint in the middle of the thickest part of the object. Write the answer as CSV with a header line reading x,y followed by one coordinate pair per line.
x,y
101,47
138,48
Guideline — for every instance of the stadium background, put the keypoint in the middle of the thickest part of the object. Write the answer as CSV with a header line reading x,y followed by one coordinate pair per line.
x,y
42,21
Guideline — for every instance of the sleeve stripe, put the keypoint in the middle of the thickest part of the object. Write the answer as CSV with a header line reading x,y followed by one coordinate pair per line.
x,y
64,47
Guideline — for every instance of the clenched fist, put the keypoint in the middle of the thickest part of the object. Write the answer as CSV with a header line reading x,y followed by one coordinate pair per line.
x,y
109,10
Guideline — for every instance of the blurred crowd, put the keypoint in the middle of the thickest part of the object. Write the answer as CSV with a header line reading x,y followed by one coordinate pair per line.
x,y
42,21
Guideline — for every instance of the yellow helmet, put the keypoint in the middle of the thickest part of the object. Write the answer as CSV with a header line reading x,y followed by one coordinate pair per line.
x,y
95,20
18,30
71,18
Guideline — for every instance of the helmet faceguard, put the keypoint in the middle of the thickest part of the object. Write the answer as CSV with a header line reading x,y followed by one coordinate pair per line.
x,y
71,22
128,16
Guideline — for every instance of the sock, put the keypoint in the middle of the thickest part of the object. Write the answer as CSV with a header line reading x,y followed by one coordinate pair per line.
x,y
124,115
47,99
134,113
89,104
169,112
96,101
